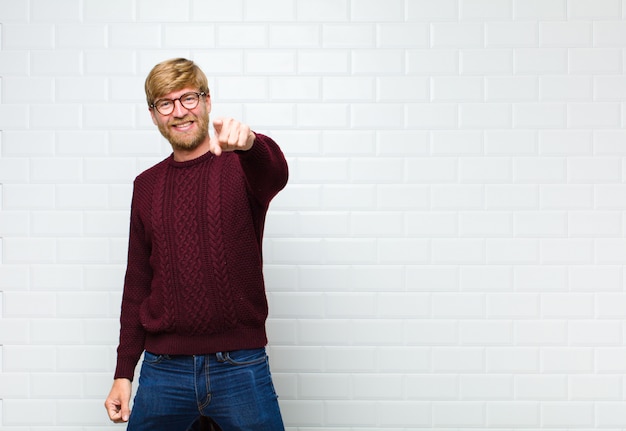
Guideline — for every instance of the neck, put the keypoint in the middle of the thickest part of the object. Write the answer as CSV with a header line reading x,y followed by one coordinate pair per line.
x,y
184,154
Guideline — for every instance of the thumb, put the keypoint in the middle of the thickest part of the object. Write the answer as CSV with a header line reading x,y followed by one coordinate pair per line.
x,y
125,411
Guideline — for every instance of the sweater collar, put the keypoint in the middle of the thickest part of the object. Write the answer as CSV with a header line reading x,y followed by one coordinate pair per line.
x,y
207,156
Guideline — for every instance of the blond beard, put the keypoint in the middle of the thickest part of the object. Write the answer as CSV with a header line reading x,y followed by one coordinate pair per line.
x,y
188,141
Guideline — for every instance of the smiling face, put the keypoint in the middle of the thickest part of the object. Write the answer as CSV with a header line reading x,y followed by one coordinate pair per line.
x,y
187,130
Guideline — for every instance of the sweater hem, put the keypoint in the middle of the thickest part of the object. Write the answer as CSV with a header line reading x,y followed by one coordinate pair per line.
x,y
177,344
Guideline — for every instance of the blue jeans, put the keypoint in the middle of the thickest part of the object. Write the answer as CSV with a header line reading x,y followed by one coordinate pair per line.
x,y
235,389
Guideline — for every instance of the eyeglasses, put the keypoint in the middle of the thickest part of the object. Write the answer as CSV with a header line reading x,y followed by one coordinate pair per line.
x,y
187,100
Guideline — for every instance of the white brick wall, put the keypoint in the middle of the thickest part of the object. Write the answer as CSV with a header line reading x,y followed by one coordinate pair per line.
x,y
448,254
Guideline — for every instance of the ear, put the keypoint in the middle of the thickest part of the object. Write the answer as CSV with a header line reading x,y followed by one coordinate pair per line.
x,y
152,115
207,99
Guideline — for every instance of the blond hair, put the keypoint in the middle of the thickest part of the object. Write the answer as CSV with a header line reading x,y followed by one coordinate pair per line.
x,y
172,75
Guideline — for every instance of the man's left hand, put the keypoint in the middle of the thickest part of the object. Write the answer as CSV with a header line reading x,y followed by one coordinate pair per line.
x,y
230,135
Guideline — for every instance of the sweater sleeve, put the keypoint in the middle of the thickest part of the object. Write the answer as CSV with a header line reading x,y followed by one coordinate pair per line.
x,y
136,288
265,169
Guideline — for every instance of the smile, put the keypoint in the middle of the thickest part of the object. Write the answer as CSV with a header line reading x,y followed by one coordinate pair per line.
x,y
183,126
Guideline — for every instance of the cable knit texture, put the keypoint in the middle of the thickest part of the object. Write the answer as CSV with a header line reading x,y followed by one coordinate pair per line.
x,y
194,280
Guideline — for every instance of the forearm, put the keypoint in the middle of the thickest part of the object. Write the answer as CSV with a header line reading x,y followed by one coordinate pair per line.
x,y
265,168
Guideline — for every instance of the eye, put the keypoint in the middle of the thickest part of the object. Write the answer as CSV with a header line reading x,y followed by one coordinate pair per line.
x,y
163,104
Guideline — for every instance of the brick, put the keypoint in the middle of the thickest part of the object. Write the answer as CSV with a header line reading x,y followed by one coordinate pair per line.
x,y
435,333
580,306
565,33
350,359
294,35
270,63
349,36
507,34
461,251
587,9
27,90
566,251
373,62
595,278
484,333
486,61
567,360
569,196
511,197
19,412
540,278
543,224
371,10
433,62
479,387
322,11
595,61
485,116
486,278
33,250
516,414
518,360
350,413
482,224
14,12
432,387
541,115
513,305
571,88
27,36
459,35
461,197
540,9
565,142
591,387
115,10
432,116
540,333
521,88
510,142
379,116
548,61
594,169
396,414
324,386
74,36
273,10
485,170
572,414
377,386
457,89
392,35
456,414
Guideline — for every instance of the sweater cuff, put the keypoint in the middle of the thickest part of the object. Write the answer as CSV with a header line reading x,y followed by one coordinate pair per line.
x,y
125,369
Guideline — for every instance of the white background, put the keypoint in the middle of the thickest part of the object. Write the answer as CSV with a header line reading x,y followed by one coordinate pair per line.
x,y
448,254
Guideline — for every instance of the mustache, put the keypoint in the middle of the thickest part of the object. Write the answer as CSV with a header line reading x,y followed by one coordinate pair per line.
x,y
186,119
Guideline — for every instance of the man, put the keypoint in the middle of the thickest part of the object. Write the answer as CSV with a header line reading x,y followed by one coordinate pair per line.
x,y
194,298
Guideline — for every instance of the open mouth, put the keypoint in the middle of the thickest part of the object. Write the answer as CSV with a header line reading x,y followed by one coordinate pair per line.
x,y
182,127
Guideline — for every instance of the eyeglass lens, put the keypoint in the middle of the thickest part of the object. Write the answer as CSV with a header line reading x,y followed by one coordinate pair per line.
x,y
187,100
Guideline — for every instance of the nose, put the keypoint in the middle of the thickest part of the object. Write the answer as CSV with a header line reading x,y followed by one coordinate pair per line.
x,y
179,109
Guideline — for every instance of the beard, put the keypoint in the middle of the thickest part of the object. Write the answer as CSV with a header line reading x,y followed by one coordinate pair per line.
x,y
189,140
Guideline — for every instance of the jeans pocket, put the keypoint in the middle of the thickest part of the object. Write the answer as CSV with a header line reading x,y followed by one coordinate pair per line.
x,y
244,357
152,359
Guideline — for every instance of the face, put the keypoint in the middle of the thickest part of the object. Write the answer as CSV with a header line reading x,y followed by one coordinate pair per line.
x,y
185,129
